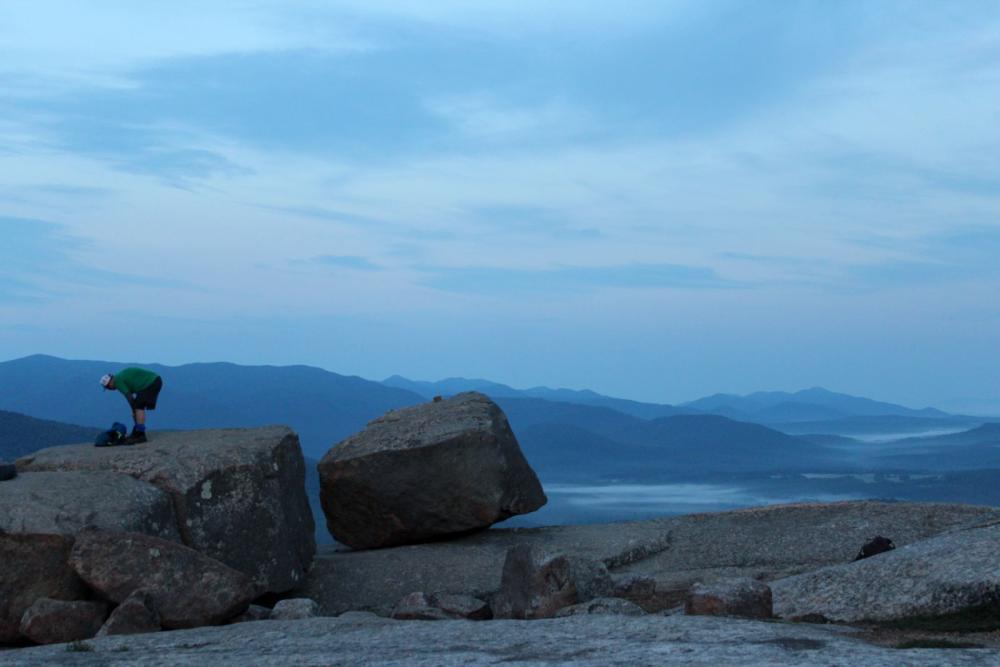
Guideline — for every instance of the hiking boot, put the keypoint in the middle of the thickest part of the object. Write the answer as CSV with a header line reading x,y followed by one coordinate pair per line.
x,y
135,439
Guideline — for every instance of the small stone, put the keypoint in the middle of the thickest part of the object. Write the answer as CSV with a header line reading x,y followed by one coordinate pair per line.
x,y
50,621
136,614
742,597
294,609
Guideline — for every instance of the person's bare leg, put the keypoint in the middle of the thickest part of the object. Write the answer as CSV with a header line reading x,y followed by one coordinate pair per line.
x,y
139,415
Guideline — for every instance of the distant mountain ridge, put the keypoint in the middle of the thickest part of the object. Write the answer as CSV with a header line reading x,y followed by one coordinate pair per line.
x,y
815,404
21,434
763,407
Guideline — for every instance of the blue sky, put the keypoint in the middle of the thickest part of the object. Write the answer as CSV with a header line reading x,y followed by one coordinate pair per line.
x,y
657,200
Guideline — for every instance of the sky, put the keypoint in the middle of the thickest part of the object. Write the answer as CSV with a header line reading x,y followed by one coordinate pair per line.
x,y
656,200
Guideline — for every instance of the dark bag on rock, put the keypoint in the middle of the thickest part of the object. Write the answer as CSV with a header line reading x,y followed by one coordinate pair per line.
x,y
113,436
878,545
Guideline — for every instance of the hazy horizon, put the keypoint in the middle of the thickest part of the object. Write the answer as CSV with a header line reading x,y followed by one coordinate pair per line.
x,y
556,386
657,201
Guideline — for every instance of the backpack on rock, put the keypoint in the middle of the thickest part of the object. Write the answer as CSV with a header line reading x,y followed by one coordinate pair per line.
x,y
112,437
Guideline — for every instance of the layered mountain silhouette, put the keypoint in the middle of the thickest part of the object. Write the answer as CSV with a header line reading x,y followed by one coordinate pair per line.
x,y
565,433
21,434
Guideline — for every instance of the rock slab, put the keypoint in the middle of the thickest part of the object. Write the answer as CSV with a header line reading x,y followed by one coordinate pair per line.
x,y
743,597
49,621
238,494
33,567
189,588
420,606
436,469
957,572
603,607
580,641
67,502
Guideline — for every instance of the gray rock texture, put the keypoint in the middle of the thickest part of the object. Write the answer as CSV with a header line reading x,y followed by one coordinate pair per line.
x,y
953,573
190,589
33,567
603,606
137,614
744,597
68,502
238,494
778,541
294,609
436,469
537,585
49,621
587,641
662,558
439,607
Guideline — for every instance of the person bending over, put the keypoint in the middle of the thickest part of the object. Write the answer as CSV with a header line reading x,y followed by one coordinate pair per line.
x,y
140,388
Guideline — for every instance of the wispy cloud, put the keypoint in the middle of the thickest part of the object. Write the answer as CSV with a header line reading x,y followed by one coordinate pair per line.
x,y
573,278
347,262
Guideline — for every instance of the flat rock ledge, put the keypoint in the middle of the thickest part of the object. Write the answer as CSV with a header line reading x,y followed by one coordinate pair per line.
x,y
666,556
577,640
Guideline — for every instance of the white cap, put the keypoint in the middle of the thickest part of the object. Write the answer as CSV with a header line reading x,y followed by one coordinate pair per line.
x,y
105,380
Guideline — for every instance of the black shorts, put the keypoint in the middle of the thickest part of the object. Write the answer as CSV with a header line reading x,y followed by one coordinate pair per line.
x,y
146,399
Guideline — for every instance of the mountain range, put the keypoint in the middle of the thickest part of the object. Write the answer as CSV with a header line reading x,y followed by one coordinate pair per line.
x,y
566,434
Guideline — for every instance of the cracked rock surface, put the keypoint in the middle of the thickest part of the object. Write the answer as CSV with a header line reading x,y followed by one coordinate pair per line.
x,y
576,640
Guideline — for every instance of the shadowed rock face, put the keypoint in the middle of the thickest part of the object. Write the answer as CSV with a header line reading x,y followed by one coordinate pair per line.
x,y
432,470
957,572
189,588
67,502
33,567
238,495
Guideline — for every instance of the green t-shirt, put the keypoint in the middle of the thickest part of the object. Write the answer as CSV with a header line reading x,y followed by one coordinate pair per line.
x,y
133,380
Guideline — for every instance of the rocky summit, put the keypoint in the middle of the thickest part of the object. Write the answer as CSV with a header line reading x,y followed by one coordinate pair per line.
x,y
432,470
236,495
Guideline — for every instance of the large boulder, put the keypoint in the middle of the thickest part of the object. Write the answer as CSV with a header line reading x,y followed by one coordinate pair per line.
x,y
238,494
435,469
68,502
49,621
948,575
189,588
536,584
33,567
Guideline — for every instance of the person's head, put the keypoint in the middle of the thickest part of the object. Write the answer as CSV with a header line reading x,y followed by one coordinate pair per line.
x,y
108,381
